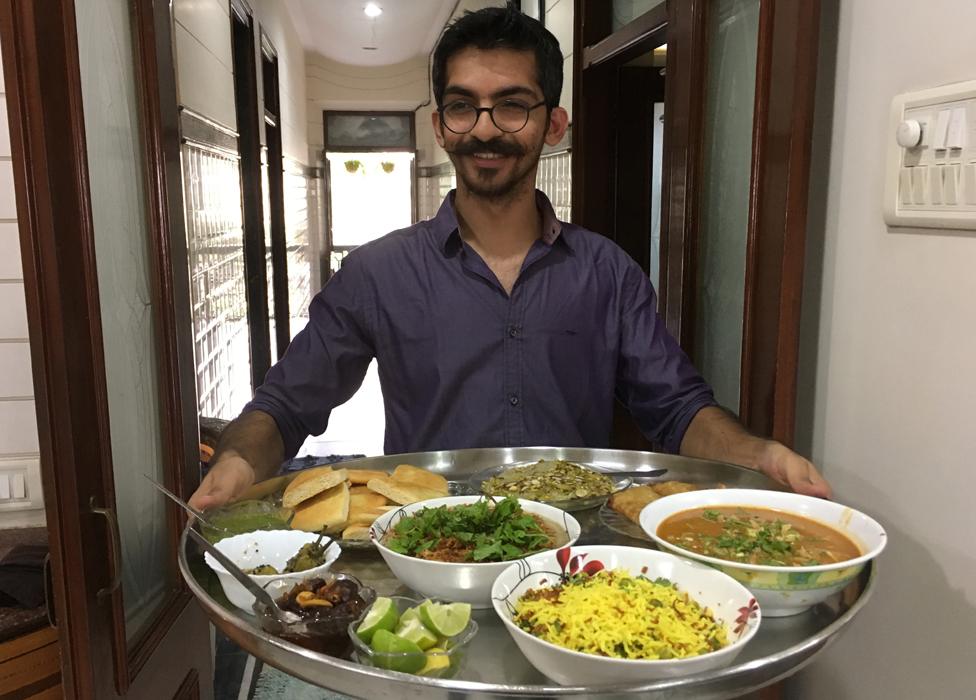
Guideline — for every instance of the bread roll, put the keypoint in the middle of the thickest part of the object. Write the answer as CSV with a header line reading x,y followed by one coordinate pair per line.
x,y
362,476
403,493
310,483
327,511
408,474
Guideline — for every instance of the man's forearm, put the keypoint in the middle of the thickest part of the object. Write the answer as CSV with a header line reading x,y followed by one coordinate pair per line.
x,y
716,434
255,438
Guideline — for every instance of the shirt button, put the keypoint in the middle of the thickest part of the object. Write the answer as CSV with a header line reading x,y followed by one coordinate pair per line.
x,y
513,331
513,399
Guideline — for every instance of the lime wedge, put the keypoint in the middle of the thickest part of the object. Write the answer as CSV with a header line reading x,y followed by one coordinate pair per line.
x,y
382,615
437,663
415,631
446,619
410,614
385,642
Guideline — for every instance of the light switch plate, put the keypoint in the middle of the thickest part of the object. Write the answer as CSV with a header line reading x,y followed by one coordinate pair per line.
x,y
947,116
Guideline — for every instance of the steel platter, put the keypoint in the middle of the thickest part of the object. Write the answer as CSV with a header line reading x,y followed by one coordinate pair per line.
x,y
495,667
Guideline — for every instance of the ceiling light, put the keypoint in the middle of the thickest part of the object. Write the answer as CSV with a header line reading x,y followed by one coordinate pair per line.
x,y
372,10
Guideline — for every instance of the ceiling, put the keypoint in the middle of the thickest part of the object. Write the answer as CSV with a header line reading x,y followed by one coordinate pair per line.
x,y
339,29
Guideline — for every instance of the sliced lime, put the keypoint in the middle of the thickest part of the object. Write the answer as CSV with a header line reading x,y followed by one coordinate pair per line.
x,y
410,614
382,615
446,619
437,663
388,647
415,631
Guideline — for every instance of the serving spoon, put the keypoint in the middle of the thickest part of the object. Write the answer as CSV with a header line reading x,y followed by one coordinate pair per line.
x,y
184,505
283,616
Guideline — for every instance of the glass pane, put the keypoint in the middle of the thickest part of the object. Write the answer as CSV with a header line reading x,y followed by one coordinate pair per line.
x,y
368,131
733,39
625,11
657,166
122,257
356,182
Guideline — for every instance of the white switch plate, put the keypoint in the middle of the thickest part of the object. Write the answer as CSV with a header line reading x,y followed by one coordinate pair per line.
x,y
20,484
947,150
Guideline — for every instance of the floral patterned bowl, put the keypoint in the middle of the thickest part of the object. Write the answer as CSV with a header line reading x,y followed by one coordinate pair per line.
x,y
729,602
781,591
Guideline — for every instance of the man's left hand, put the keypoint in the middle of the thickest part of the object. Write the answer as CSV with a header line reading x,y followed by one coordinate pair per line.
x,y
790,469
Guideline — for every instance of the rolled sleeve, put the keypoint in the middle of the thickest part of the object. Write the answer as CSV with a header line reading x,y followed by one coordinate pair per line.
x,y
655,379
325,363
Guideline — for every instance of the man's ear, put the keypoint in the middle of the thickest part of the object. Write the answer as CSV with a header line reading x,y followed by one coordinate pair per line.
x,y
558,123
435,120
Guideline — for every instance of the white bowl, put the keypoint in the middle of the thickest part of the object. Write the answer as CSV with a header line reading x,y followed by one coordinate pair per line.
x,y
728,601
780,590
462,582
274,547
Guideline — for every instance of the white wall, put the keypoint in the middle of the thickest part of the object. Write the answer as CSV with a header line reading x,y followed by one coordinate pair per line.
x,y
18,426
890,329
205,65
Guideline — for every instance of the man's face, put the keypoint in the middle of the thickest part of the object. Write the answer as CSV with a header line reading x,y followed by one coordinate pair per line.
x,y
491,163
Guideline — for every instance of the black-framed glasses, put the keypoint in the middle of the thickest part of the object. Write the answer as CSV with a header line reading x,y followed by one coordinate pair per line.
x,y
508,115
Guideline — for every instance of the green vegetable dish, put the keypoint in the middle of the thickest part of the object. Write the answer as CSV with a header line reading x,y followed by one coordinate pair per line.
x,y
549,480
485,531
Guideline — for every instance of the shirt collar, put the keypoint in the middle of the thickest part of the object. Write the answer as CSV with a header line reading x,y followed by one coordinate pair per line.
x,y
445,223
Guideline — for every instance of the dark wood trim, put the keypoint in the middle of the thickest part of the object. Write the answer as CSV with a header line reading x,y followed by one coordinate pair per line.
x,y
249,141
785,87
681,186
196,128
628,41
276,204
593,90
40,59
190,687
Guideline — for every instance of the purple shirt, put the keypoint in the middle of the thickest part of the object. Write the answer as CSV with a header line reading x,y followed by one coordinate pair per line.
x,y
463,364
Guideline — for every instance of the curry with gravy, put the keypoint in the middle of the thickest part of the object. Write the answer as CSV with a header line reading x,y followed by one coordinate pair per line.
x,y
763,536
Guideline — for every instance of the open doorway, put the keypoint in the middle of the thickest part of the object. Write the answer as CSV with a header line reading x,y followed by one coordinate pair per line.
x,y
370,158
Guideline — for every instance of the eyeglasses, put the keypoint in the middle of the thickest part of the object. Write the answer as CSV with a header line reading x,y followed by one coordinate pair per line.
x,y
509,115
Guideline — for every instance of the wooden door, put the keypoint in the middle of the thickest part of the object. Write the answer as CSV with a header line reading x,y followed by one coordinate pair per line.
x,y
611,165
95,143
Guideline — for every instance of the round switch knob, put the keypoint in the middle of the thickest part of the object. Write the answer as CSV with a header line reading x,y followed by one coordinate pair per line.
x,y
909,133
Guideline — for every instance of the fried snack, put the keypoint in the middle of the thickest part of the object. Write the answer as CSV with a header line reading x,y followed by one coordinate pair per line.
x,y
630,502
359,477
327,511
403,493
414,476
312,482
669,488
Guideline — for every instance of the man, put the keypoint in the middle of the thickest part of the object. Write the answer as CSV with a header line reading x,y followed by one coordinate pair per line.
x,y
493,324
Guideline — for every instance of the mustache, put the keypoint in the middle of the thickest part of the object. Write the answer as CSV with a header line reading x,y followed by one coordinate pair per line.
x,y
496,145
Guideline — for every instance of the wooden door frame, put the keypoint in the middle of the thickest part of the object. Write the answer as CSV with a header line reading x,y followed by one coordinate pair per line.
x,y
48,145
276,194
252,201
779,178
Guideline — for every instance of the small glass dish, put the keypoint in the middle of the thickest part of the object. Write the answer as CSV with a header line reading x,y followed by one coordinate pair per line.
x,y
438,664
319,631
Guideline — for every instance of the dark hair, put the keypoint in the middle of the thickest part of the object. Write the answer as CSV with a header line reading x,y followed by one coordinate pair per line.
x,y
501,28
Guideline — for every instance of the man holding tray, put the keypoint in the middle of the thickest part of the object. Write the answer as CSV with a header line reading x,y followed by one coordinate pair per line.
x,y
494,324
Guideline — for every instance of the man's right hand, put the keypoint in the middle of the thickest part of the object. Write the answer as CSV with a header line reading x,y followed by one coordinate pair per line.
x,y
229,476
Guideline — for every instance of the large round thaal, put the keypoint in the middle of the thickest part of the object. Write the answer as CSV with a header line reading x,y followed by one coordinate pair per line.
x,y
496,668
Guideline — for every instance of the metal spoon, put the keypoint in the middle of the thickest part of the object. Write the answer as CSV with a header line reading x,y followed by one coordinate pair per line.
x,y
184,505
265,598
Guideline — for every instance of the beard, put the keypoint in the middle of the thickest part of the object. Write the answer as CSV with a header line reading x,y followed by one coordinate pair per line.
x,y
490,183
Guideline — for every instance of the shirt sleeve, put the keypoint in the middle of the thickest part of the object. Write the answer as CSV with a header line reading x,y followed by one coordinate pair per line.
x,y
325,364
655,379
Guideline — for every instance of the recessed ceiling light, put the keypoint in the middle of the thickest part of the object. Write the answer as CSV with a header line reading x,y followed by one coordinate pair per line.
x,y
372,10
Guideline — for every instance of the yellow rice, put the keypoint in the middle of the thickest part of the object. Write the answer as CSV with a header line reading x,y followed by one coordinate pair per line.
x,y
618,615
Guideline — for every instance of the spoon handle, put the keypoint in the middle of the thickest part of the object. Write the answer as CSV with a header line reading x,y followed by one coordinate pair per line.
x,y
235,571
